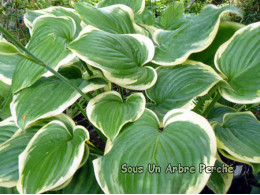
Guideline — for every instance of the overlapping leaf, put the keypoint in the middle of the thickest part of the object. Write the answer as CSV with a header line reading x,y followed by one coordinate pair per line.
x,y
220,182
194,35
109,113
187,139
136,5
50,36
84,181
30,16
62,151
218,111
226,31
7,129
13,147
177,86
121,57
48,97
172,13
239,60
113,19
239,136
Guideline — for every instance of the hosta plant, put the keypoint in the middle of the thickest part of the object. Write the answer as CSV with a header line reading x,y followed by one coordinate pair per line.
x,y
167,96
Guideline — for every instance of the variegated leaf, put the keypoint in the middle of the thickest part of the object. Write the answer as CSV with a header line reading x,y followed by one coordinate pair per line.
x,y
239,60
185,138
109,112
123,56
177,86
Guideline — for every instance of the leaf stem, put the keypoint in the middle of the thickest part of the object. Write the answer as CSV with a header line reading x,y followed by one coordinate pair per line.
x,y
204,98
211,105
41,63
81,110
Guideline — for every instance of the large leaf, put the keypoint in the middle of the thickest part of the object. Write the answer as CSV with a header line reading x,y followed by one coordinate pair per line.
x,y
239,60
62,151
109,112
194,35
7,129
48,97
84,181
123,56
30,16
50,36
113,19
226,31
136,5
13,147
178,85
239,136
187,139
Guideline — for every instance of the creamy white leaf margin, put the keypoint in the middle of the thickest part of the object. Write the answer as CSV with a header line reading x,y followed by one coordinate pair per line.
x,y
172,116
218,55
122,82
236,155
59,110
93,101
73,168
204,43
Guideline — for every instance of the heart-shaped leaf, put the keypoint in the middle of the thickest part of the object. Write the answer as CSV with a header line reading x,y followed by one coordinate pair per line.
x,y
239,60
50,36
48,97
109,113
196,34
186,140
239,136
177,86
62,151
123,56
112,19
136,5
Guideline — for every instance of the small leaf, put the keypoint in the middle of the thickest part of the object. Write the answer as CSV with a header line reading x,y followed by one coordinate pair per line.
x,y
62,151
187,139
239,60
7,48
218,111
109,113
